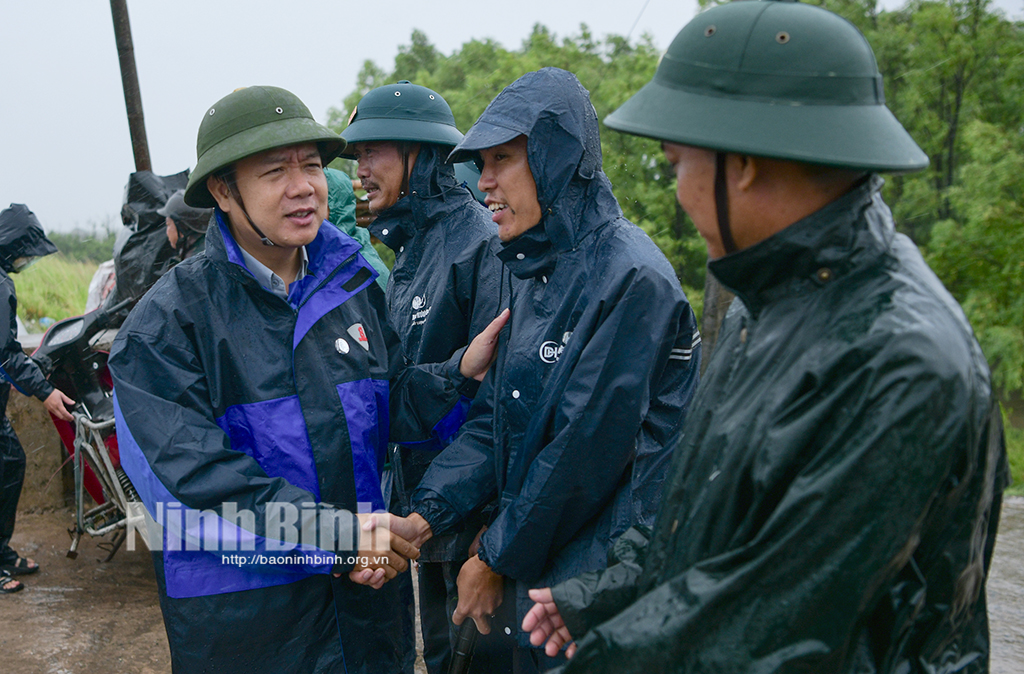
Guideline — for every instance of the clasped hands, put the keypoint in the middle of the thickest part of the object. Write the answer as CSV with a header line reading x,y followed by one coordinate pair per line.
x,y
386,545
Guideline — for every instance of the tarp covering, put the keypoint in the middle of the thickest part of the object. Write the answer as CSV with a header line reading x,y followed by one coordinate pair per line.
x,y
146,254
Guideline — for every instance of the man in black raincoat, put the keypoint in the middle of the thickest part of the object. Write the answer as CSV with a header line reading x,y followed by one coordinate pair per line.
x,y
573,425
833,502
22,240
255,386
443,291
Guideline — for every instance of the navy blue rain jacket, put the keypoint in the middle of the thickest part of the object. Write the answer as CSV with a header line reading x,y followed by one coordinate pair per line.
x,y
573,426
443,292
228,394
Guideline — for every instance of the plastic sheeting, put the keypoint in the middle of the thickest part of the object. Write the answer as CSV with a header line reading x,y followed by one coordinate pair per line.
x,y
145,254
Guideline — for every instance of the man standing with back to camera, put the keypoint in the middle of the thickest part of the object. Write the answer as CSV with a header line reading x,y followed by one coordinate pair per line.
x,y
833,502
442,292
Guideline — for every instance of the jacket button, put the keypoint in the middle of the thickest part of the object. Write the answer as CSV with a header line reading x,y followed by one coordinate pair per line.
x,y
401,249
515,394
384,232
520,256
824,275
544,278
743,336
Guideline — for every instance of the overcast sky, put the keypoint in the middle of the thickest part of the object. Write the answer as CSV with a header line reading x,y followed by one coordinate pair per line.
x,y
65,149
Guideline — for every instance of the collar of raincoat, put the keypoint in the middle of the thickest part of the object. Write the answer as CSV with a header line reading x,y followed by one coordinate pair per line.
x,y
825,246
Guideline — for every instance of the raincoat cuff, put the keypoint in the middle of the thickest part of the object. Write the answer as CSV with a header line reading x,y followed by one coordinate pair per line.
x,y
466,386
44,391
441,519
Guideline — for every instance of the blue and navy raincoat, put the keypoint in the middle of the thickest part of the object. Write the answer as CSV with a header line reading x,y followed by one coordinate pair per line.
x,y
573,426
443,292
237,409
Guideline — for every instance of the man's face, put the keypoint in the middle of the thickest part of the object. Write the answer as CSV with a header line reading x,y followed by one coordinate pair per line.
x,y
380,170
284,191
511,190
695,190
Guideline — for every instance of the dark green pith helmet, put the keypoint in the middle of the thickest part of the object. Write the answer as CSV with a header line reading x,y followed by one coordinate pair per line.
x,y
249,121
402,112
773,79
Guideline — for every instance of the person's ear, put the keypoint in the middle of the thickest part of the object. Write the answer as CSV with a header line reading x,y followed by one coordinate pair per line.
x,y
746,169
220,192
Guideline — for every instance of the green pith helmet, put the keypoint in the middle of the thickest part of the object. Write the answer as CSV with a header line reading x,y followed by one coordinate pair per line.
x,y
402,112
249,121
773,79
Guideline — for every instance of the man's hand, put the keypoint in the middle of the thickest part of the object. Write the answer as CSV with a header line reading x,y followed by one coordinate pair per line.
x,y
412,528
55,405
545,625
482,351
480,594
383,552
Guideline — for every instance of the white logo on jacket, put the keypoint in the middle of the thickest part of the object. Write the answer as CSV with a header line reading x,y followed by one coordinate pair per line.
x,y
550,351
419,313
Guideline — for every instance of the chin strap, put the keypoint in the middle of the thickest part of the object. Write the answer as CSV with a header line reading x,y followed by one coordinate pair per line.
x,y
722,204
238,197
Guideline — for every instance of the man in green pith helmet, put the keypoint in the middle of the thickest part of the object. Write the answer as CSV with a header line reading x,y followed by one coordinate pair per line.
x,y
834,498
254,388
443,291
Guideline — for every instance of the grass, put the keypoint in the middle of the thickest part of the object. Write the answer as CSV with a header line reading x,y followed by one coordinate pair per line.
x,y
54,287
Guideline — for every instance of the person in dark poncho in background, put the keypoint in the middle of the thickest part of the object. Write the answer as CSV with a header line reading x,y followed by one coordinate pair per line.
x,y
573,426
186,226
22,240
834,499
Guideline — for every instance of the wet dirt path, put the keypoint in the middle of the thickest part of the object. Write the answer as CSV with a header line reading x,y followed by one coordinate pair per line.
x,y
80,616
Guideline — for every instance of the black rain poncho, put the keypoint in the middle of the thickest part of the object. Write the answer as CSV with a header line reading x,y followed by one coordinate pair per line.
x,y
833,502
573,425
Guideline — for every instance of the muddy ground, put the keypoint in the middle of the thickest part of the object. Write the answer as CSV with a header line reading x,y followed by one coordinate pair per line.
x,y
88,616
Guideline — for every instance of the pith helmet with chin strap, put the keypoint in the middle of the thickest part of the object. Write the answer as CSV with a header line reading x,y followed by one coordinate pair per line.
x,y
402,112
771,78
249,121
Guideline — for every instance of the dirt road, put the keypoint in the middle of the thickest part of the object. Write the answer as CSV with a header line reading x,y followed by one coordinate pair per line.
x,y
86,616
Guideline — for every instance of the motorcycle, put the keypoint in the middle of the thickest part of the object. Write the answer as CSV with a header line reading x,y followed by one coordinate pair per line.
x,y
67,357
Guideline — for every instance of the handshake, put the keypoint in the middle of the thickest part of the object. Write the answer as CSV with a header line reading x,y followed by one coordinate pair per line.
x,y
386,544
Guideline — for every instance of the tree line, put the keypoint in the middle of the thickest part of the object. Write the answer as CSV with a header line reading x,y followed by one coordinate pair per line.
x,y
953,74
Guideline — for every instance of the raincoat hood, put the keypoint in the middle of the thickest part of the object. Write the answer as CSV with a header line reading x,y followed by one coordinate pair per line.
x,y
554,111
21,235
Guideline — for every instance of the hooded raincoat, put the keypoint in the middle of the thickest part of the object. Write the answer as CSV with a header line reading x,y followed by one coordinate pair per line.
x,y
574,423
243,416
443,291
21,235
833,502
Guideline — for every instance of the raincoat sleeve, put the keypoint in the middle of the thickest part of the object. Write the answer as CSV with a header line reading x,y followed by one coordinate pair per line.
x,y
857,471
15,366
463,475
175,452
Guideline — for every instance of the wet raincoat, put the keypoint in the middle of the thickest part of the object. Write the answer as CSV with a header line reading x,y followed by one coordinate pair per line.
x,y
443,292
226,393
833,503
573,425
21,235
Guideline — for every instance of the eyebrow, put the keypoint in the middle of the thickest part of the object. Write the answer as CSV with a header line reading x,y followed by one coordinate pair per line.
x,y
281,157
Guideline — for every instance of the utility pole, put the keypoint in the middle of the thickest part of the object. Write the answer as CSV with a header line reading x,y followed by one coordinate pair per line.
x,y
130,83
